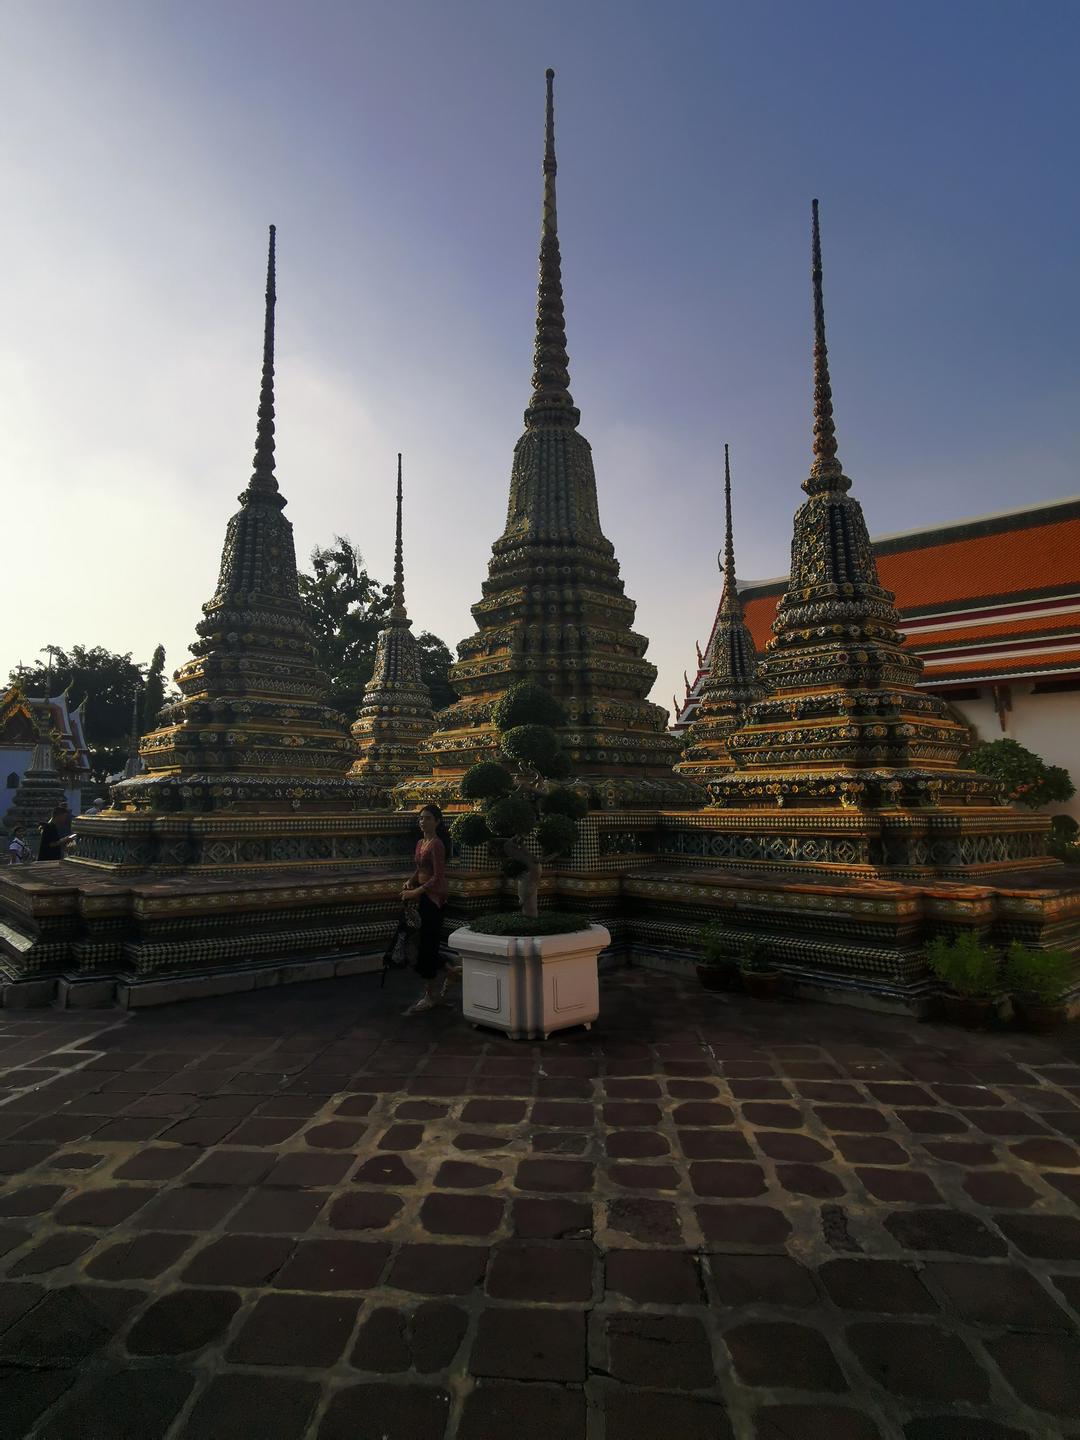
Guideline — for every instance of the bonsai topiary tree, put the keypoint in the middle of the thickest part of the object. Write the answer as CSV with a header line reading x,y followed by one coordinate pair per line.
x,y
518,794
1027,778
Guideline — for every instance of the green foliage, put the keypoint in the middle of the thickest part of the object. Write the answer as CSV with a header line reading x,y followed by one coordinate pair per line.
x,y
511,816
1027,778
346,608
516,802
715,949
563,801
153,696
755,959
486,781
527,704
1040,975
556,834
965,964
106,682
435,662
512,922
470,829
534,745
1062,844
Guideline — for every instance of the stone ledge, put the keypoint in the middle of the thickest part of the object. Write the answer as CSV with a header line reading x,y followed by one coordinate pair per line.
x,y
167,989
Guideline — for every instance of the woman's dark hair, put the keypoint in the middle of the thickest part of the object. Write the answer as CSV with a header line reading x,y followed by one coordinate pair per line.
x,y
442,831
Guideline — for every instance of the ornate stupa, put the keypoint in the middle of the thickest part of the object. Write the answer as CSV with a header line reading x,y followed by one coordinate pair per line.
x,y
395,718
553,609
253,726
248,767
41,789
844,727
732,683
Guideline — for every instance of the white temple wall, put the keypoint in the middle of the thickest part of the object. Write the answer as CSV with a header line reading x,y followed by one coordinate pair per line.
x,y
1048,725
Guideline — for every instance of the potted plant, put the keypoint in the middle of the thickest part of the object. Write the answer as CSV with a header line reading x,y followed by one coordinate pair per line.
x,y
718,968
760,977
524,972
1037,979
972,973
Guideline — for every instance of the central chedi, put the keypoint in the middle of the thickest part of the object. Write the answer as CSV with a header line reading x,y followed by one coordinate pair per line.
x,y
554,609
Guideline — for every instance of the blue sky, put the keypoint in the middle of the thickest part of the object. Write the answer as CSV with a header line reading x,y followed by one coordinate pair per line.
x,y
397,147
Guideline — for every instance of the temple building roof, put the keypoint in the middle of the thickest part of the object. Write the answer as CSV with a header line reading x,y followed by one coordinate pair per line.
x,y
19,715
992,599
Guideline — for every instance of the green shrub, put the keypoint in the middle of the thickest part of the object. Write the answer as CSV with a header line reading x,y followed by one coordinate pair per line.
x,y
556,834
715,949
562,801
754,959
517,803
470,830
965,964
513,922
534,745
527,704
1040,975
512,815
1027,778
486,781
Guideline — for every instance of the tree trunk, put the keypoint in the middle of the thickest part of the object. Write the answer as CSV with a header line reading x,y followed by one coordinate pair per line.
x,y
528,885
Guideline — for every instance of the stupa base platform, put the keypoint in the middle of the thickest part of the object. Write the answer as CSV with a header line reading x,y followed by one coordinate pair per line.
x,y
77,933
228,843
848,941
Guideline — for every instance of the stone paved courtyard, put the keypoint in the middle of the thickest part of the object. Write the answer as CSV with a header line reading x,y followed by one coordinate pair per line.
x,y
294,1213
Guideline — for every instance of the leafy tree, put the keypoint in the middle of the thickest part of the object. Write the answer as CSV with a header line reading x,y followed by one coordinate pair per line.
x,y
106,681
1027,778
435,662
346,608
518,801
153,695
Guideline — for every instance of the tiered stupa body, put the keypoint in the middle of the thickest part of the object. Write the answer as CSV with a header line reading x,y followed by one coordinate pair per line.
x,y
40,791
553,608
395,719
732,684
845,732
253,732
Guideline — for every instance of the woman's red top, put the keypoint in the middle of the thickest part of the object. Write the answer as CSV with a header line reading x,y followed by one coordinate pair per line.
x,y
431,869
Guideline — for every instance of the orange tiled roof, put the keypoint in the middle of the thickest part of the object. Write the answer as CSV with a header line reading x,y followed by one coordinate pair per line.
x,y
966,586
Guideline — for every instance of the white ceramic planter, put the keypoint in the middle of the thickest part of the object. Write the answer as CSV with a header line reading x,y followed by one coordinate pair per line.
x,y
530,985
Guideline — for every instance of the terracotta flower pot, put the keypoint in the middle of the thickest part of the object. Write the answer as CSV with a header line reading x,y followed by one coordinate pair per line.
x,y
719,977
762,984
1037,1015
973,1012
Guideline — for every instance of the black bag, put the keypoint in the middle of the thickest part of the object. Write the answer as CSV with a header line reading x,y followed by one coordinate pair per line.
x,y
404,943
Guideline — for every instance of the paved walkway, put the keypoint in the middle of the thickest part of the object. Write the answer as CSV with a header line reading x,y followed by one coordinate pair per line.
x,y
296,1214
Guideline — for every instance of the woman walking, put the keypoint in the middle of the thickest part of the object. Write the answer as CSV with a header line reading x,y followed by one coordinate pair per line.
x,y
429,888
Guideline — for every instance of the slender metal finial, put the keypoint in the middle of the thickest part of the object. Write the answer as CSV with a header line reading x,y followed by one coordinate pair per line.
x,y
399,563
263,481
730,599
826,473
551,401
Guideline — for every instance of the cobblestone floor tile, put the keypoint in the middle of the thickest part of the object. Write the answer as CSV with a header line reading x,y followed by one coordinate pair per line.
x,y
530,1344
182,1321
778,1353
813,1422
919,1362
391,1412
306,1330
129,1405
235,1404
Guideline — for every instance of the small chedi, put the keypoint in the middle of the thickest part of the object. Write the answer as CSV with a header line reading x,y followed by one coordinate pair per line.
x,y
41,789
845,762
253,733
395,718
553,608
732,684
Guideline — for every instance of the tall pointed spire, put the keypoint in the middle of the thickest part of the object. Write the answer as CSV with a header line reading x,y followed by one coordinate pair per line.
x,y
399,564
730,594
134,763
263,481
826,473
551,401
731,685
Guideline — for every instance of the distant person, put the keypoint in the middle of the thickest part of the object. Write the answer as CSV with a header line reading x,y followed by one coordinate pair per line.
x,y
54,834
427,886
96,807
18,851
